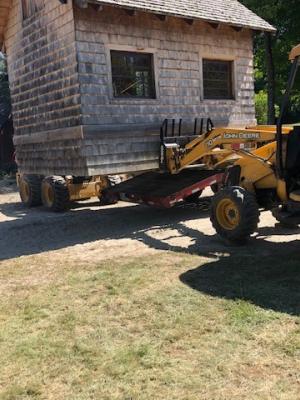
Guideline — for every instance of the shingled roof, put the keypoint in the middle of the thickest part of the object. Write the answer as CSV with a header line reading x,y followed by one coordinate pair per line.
x,y
216,11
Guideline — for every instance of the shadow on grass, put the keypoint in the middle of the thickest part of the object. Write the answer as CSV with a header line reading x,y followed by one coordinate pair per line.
x,y
269,278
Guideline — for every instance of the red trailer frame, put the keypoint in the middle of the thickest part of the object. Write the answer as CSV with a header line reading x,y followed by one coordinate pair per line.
x,y
169,191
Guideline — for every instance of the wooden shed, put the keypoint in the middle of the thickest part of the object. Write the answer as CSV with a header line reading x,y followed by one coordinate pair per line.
x,y
92,81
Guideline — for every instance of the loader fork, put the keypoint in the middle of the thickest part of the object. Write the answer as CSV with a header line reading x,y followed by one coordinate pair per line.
x,y
173,134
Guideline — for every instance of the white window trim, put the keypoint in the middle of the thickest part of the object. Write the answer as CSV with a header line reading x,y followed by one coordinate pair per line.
x,y
134,49
219,57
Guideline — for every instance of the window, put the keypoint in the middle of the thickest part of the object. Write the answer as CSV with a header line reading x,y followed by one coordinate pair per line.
x,y
217,79
132,75
30,7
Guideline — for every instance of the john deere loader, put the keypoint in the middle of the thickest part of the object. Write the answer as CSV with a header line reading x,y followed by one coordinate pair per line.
x,y
266,177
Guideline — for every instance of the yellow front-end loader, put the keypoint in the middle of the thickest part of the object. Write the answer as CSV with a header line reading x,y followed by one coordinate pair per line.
x,y
267,177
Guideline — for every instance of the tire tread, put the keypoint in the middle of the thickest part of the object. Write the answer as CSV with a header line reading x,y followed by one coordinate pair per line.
x,y
249,212
34,182
61,193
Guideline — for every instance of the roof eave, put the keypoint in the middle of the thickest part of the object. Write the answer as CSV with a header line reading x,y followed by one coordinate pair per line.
x,y
268,28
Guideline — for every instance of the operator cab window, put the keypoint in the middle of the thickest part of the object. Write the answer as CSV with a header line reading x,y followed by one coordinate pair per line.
x,y
218,80
31,7
133,75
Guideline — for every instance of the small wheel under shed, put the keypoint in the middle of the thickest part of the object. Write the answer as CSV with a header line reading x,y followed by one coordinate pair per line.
x,y
55,193
287,216
107,198
234,214
30,190
194,198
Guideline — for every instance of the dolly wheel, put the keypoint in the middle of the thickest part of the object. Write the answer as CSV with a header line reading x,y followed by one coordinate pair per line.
x,y
193,198
215,187
30,190
55,193
284,218
107,199
234,214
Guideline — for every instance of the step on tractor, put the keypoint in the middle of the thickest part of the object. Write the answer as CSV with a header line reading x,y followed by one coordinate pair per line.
x,y
249,169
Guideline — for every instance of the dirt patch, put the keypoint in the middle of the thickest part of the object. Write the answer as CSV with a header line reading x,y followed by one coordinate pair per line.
x,y
89,231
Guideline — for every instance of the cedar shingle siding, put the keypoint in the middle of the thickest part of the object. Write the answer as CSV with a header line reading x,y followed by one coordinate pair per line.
x,y
30,7
67,114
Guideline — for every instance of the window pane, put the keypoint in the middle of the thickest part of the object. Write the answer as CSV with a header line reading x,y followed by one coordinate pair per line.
x,y
217,79
132,74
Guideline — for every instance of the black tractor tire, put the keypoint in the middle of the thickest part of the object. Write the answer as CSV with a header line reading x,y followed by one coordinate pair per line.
x,y
234,214
284,218
193,198
108,199
55,193
30,190
215,187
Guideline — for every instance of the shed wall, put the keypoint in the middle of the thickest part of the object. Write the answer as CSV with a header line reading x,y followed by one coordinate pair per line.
x,y
44,84
178,50
43,68
66,119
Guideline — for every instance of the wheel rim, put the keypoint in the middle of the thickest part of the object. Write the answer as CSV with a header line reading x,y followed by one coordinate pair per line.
x,y
24,191
228,214
48,195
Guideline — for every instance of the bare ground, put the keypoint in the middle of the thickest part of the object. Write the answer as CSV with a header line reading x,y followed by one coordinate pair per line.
x,y
92,231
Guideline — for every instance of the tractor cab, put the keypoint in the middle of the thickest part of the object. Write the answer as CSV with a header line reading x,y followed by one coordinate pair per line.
x,y
276,180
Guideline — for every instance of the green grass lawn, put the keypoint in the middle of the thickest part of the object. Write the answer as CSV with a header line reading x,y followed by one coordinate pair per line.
x,y
165,326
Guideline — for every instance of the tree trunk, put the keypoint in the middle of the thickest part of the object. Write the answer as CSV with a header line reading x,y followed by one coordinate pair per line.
x,y
271,78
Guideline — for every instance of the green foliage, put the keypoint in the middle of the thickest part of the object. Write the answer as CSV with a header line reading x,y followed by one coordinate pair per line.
x,y
294,111
3,70
261,107
2,63
283,15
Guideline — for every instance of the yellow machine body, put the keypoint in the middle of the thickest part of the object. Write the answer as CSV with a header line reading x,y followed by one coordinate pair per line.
x,y
77,191
266,176
214,151
88,189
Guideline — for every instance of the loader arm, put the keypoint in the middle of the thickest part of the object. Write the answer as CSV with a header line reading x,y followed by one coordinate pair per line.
x,y
178,158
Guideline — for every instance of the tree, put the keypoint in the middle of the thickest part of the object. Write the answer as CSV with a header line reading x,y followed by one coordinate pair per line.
x,y
271,52
271,86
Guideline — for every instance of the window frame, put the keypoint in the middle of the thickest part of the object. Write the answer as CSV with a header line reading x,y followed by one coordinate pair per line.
x,y
220,58
132,49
